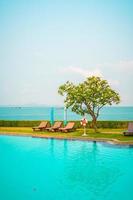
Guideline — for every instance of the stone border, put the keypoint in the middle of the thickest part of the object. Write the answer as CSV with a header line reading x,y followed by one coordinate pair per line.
x,y
109,141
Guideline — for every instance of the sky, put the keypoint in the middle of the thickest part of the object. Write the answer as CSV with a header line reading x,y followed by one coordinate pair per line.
x,y
44,43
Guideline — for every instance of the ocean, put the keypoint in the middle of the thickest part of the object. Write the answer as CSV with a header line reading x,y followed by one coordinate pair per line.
x,y
44,113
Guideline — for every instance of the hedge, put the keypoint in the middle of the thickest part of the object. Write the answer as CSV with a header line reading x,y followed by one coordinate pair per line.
x,y
101,124
13,123
106,124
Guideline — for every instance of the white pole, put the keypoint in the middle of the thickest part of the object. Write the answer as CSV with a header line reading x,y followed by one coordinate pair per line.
x,y
65,115
84,134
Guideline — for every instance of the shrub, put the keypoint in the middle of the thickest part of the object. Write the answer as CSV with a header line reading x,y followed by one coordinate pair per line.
x,y
100,124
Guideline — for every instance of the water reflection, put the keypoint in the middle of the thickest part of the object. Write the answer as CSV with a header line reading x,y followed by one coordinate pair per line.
x,y
90,170
53,147
65,148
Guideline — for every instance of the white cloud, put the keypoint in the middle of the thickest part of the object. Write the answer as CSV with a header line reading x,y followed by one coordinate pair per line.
x,y
83,72
114,83
86,73
121,65
126,64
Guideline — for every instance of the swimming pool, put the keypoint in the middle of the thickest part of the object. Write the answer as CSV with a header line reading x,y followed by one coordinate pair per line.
x,y
49,169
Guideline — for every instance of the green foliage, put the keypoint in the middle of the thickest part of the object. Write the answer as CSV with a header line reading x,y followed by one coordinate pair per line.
x,y
89,97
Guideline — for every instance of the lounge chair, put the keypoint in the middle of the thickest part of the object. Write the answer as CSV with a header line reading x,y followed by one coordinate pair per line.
x,y
69,127
42,126
129,132
55,127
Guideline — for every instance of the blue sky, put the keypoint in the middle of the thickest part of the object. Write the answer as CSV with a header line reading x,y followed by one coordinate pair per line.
x,y
44,43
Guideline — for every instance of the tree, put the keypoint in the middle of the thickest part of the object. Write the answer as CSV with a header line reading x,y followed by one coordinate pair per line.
x,y
89,97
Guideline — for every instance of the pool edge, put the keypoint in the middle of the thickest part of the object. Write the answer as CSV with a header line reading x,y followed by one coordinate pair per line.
x,y
111,141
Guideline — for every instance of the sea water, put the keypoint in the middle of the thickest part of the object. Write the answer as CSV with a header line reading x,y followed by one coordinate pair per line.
x,y
40,113
49,169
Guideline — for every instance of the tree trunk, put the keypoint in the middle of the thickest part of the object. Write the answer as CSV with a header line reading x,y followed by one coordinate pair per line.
x,y
94,123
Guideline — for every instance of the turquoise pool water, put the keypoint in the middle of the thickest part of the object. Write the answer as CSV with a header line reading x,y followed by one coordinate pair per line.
x,y
47,169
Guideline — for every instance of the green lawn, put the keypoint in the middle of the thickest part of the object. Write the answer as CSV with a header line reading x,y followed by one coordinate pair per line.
x,y
103,133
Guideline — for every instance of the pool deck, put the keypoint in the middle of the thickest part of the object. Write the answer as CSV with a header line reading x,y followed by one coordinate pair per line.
x,y
59,137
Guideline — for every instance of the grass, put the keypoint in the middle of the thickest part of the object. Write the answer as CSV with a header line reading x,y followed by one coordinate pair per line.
x,y
107,134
